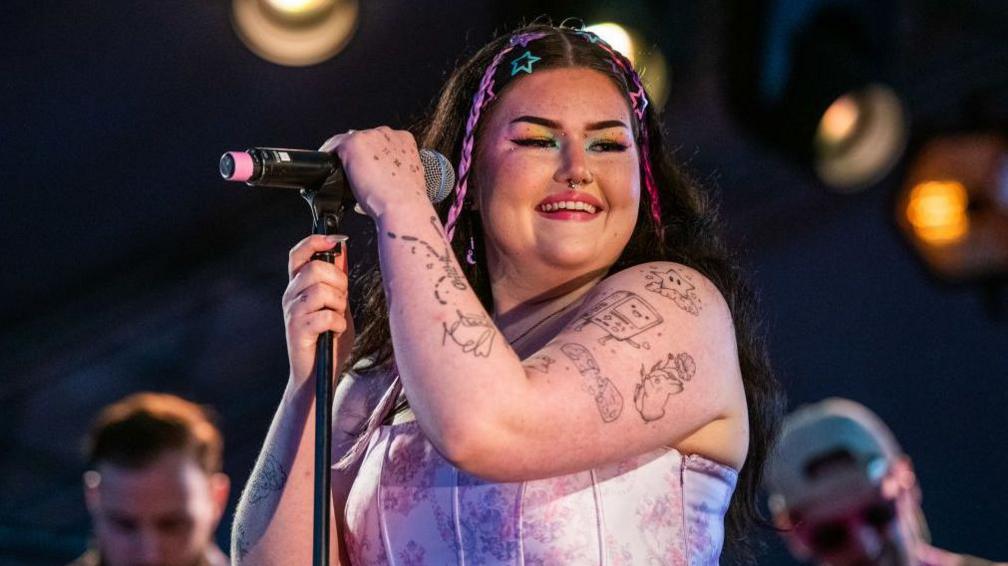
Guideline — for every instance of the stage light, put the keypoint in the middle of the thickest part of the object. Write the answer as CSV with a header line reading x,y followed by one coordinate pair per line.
x,y
859,138
953,207
298,9
936,211
649,63
809,78
295,32
616,36
839,122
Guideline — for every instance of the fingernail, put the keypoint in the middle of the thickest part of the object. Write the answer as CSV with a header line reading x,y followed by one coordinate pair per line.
x,y
337,238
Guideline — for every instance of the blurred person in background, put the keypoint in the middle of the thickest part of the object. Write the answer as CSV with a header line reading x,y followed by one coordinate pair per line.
x,y
154,486
844,493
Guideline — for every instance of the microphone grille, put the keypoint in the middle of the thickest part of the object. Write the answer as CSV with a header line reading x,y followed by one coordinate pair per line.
x,y
439,175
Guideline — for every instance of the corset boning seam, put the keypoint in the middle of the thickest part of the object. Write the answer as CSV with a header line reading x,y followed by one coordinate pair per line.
x,y
519,528
682,509
599,520
456,508
382,525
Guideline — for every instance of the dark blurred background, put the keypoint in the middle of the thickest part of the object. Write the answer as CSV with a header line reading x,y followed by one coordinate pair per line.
x,y
129,265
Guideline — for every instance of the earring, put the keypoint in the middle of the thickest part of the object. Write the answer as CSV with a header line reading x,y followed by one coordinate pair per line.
x,y
471,251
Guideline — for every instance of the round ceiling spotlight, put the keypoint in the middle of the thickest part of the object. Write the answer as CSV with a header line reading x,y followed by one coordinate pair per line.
x,y
649,63
860,138
295,33
617,37
816,85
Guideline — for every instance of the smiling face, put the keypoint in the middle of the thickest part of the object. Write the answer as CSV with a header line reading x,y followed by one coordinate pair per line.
x,y
549,129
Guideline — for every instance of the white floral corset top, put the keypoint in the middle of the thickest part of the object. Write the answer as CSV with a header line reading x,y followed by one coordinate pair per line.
x,y
409,507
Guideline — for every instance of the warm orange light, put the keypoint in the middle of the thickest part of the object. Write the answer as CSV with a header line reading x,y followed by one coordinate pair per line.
x,y
838,122
937,211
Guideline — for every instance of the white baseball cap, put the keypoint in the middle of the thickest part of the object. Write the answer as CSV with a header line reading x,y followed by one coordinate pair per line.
x,y
829,449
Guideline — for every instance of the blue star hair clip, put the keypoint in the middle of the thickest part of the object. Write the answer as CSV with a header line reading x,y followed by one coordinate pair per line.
x,y
523,63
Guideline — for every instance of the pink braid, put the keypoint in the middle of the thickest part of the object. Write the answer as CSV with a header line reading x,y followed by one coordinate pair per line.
x,y
639,101
482,97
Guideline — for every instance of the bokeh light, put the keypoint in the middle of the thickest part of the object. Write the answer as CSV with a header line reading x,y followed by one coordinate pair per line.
x,y
937,211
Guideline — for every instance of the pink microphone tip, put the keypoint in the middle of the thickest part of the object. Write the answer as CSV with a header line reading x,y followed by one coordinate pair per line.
x,y
236,166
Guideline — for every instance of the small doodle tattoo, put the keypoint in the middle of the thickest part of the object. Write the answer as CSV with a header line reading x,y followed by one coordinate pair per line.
x,y
241,542
270,480
676,286
607,398
622,315
474,332
540,363
451,274
666,378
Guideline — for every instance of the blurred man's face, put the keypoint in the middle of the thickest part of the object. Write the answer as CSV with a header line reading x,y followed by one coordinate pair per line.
x,y
164,514
860,525
861,531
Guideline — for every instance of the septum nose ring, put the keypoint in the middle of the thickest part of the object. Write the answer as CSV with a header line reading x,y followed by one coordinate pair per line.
x,y
573,181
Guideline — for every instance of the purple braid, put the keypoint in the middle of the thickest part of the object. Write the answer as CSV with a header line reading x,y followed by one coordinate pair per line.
x,y
639,100
482,97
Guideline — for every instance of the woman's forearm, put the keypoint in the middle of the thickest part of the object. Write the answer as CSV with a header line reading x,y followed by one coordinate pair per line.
x,y
272,523
449,351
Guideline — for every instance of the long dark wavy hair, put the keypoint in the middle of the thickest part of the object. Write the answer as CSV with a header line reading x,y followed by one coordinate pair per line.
x,y
688,234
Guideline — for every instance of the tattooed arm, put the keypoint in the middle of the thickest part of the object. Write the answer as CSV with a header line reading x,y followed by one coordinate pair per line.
x,y
273,517
649,361
273,521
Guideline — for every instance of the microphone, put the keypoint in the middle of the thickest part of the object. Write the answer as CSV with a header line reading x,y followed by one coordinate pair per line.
x,y
306,169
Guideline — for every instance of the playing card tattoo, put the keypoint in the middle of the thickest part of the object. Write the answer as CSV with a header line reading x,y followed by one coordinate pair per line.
x,y
676,286
474,332
622,315
666,378
607,398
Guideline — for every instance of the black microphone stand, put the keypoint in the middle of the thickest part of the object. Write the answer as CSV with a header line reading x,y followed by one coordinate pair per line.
x,y
327,207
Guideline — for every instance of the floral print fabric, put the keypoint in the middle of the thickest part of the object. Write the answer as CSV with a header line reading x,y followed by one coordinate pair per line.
x,y
411,507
